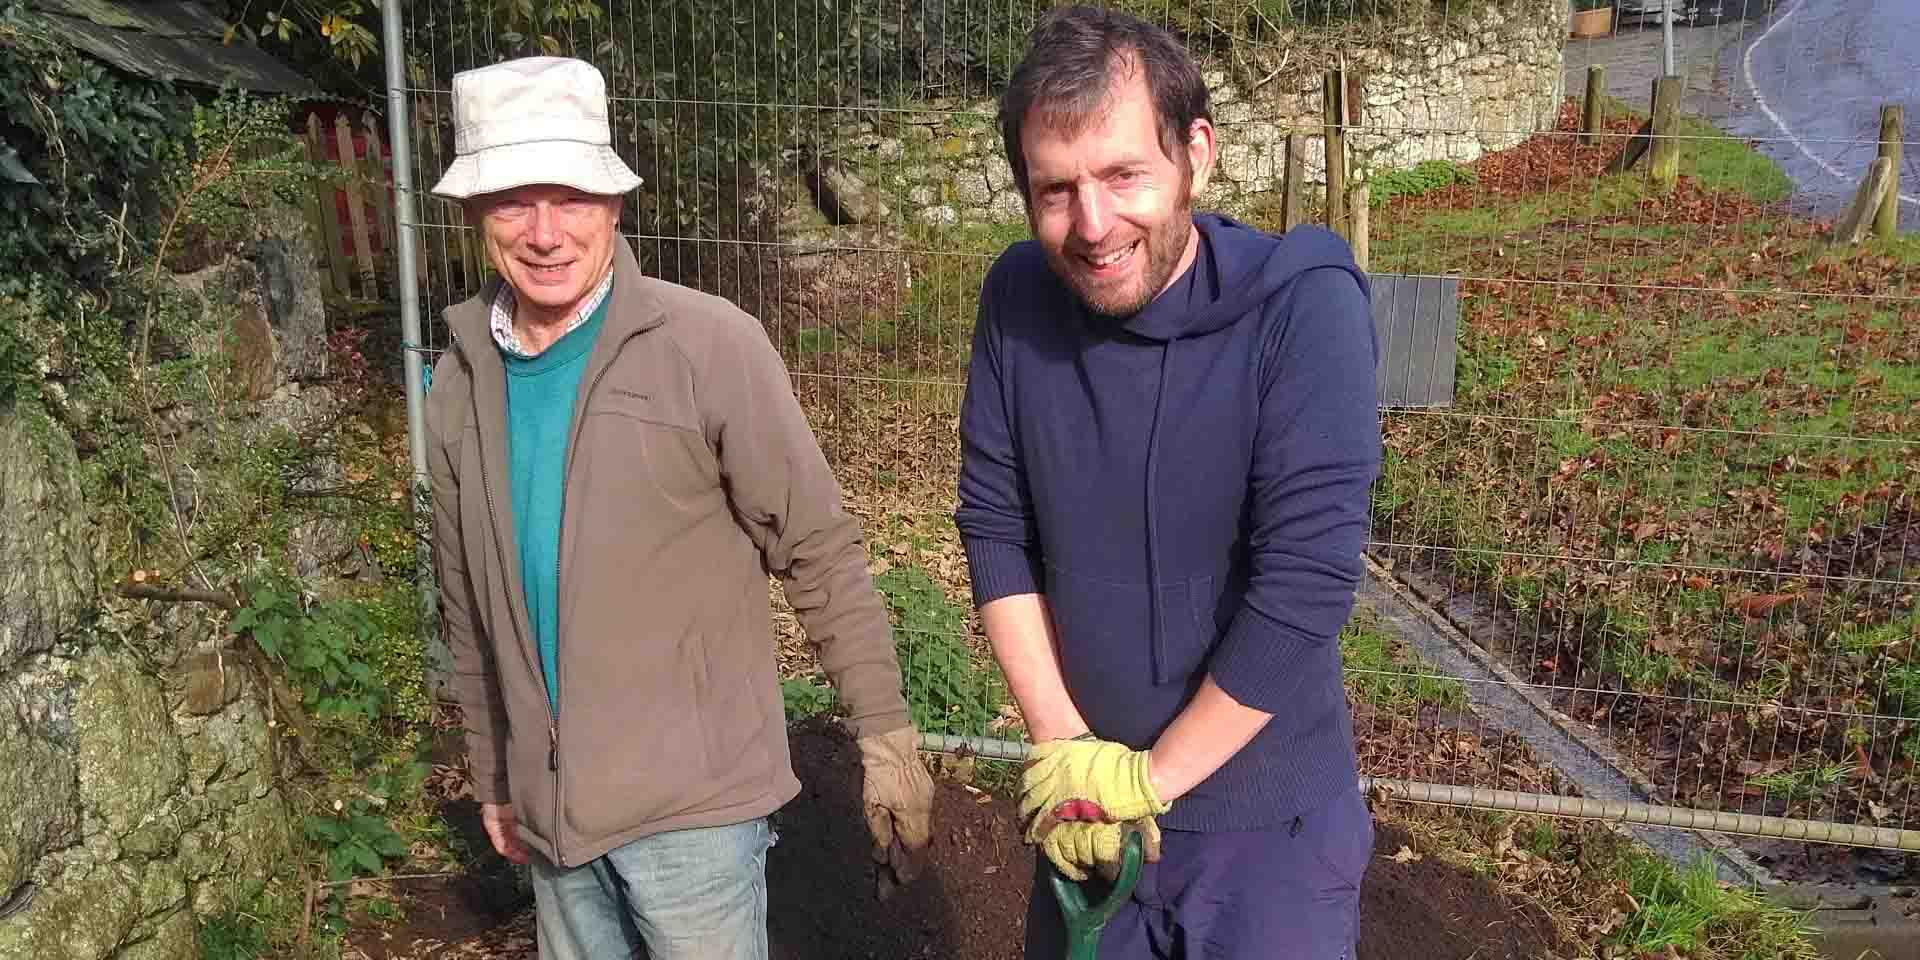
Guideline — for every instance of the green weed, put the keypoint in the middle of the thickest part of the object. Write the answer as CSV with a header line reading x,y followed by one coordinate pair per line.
x,y
947,692
1421,178
1540,837
356,839
1808,781
233,936
317,644
1901,692
1692,912
1380,671
1482,370
804,698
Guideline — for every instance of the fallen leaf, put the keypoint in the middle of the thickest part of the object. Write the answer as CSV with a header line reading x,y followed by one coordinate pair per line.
x,y
1763,604
1644,530
1407,855
1697,583
1879,810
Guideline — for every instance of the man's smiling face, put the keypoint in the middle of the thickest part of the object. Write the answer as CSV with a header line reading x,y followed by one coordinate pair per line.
x,y
1112,211
551,243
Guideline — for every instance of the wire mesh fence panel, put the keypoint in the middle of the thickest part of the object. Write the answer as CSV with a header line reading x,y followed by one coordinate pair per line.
x,y
1648,412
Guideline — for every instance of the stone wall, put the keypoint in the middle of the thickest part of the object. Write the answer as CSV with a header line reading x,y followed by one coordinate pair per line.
x,y
1440,89
138,786
133,794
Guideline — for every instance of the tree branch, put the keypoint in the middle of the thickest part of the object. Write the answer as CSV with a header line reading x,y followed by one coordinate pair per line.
x,y
144,591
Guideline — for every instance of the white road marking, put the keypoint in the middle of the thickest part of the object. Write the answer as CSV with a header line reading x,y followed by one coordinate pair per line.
x,y
1746,67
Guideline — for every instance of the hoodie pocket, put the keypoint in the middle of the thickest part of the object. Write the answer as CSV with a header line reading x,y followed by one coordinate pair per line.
x,y
1186,631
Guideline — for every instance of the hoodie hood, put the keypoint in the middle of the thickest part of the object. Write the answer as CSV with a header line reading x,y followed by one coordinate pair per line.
x,y
1236,269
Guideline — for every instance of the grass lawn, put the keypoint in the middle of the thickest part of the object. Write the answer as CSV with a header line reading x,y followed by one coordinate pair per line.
x,y
1683,454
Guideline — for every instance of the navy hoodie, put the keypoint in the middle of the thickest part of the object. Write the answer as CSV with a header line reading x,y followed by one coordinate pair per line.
x,y
1188,489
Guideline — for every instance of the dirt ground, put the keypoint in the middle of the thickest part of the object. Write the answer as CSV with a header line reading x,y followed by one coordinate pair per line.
x,y
969,902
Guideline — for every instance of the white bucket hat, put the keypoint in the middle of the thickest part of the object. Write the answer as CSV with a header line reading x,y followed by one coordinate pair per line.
x,y
533,120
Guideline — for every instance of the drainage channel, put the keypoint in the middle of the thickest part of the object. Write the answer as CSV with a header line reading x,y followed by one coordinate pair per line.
x,y
1500,698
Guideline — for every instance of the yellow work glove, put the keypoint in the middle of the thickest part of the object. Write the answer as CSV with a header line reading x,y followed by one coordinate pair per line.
x,y
1086,780
1076,847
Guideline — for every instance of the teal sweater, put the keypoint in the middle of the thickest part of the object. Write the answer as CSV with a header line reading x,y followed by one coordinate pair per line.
x,y
540,398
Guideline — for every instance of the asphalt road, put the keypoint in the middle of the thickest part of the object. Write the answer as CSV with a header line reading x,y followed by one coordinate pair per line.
x,y
1810,82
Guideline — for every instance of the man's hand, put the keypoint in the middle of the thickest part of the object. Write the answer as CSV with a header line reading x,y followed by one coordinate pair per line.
x,y
897,793
503,828
1086,780
1076,847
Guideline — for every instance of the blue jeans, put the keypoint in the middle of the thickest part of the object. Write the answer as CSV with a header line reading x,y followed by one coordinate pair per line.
x,y
1289,893
696,894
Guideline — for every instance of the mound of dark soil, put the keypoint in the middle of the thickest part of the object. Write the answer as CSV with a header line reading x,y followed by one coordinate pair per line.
x,y
1431,910
969,903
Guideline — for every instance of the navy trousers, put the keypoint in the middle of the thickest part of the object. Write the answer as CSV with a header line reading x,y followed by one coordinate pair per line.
x,y
1288,893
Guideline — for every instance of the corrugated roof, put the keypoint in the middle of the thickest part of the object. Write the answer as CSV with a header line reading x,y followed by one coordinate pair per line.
x,y
175,40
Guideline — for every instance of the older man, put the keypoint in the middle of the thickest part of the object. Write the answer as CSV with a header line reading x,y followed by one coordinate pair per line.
x,y
1168,435
617,463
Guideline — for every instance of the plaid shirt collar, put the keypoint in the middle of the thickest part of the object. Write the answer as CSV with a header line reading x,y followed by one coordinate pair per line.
x,y
501,317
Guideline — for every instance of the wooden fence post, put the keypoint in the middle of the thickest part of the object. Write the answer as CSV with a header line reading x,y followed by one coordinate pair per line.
x,y
426,143
1335,117
1860,216
1293,199
379,181
356,204
1359,218
1593,111
1664,165
329,214
1892,121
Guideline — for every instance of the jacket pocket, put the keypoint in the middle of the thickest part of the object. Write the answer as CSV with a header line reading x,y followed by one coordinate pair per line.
x,y
728,709
643,445
634,747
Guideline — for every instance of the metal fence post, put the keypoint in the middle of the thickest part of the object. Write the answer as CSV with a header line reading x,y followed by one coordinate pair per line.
x,y
399,133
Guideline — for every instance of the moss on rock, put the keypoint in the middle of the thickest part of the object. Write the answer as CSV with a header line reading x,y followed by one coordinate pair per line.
x,y
39,806
46,581
84,914
130,757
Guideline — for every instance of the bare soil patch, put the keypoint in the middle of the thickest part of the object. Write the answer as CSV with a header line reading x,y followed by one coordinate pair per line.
x,y
969,901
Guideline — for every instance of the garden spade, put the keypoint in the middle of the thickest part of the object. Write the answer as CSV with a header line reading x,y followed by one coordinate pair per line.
x,y
1085,922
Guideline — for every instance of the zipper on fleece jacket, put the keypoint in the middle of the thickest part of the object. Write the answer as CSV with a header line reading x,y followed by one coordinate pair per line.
x,y
560,551
499,549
